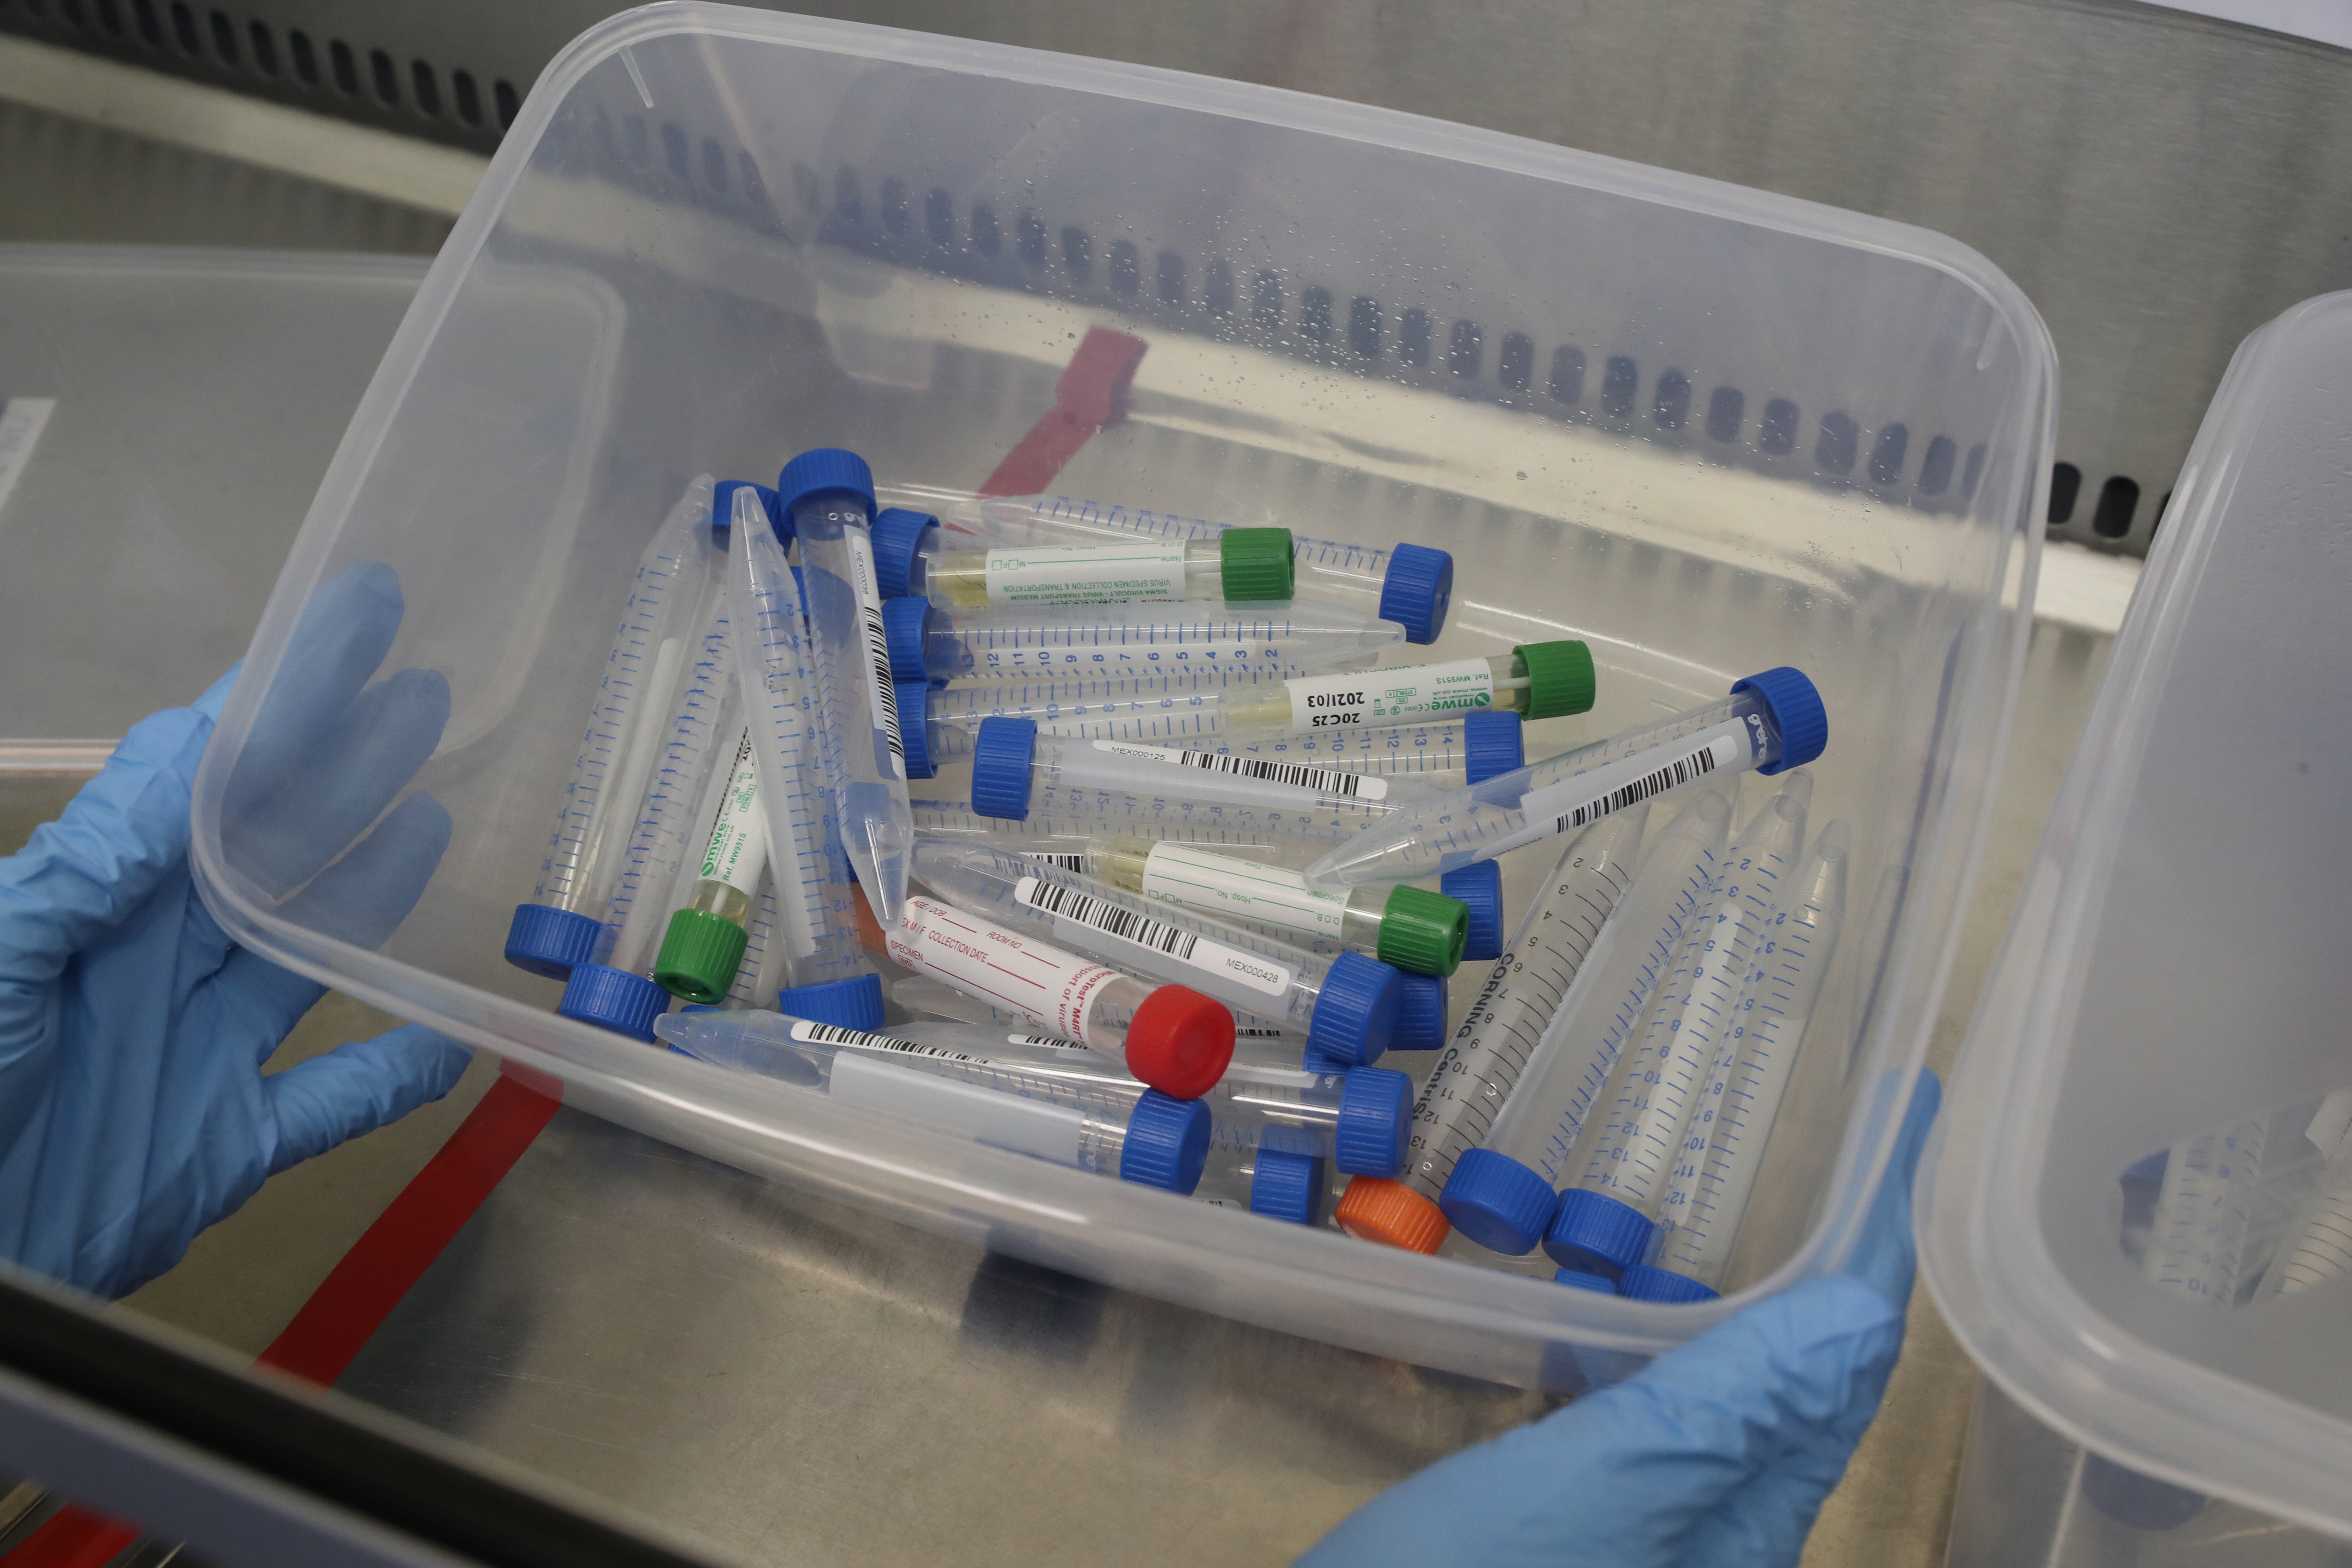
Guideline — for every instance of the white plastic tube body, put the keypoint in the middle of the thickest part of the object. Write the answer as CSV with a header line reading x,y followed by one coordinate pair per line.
x,y
1560,795
856,703
814,904
635,700
1090,643
995,575
1755,1059
1660,1083
1492,1050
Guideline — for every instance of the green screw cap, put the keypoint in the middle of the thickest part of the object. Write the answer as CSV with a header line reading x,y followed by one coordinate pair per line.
x,y
1257,563
1423,933
699,954
1560,676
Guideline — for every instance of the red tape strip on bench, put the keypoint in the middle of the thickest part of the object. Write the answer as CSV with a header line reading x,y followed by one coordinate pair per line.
x,y
1091,395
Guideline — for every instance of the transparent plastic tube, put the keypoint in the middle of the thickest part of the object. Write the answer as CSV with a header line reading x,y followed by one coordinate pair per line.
x,y
1071,844
2204,1211
1357,1118
1411,584
1089,812
2319,1242
1241,564
1411,929
830,496
1172,1038
1629,1158
1772,722
921,994
1347,1005
707,934
1539,680
1490,1052
1791,955
817,908
561,926
1502,1195
1078,642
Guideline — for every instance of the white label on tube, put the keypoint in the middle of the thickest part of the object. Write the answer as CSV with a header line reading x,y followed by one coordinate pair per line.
x,y
1240,891
810,1034
736,851
1040,983
1368,699
1086,573
1251,971
1573,803
1322,781
995,1117
879,689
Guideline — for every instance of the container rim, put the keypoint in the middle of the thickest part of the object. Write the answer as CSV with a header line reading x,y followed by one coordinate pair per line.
x,y
1982,1249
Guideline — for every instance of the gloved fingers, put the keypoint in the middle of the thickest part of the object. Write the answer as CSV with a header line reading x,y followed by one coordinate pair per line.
x,y
1884,1255
346,630
215,695
79,876
307,814
360,899
357,1088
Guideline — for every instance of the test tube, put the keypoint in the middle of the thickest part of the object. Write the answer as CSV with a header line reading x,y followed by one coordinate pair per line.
x,y
1502,1193
1407,928
1171,1036
1068,843
1716,1173
2319,1248
825,974
562,925
1535,681
1357,1118
1491,1050
1351,1008
1771,723
1607,1219
921,994
828,494
1410,584
930,642
1239,565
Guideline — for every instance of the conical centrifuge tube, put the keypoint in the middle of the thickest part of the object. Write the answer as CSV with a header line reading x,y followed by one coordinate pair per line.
x,y
927,642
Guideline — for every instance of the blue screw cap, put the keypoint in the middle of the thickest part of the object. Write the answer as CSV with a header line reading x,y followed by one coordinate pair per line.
x,y
1597,1234
902,635
1643,1282
1478,886
614,999
1001,757
723,508
914,718
1797,714
1286,1186
897,540
1418,590
1421,1013
1355,1012
825,471
1492,744
1166,1143
851,1004
544,940
1576,1279
1497,1203
1375,1120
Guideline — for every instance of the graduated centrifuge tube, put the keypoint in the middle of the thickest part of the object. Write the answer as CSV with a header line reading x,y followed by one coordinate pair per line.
x,y
1408,928
1154,816
1171,1036
1771,723
564,922
1714,1172
1067,844
925,998
1535,681
1349,1007
2318,1245
1487,1055
1411,585
970,573
825,973
930,642
704,943
1643,1136
829,496
1502,1193
1357,1118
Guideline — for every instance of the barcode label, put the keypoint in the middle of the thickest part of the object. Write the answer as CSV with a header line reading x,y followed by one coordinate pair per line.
x,y
1058,861
1336,781
1251,971
1673,775
835,1034
877,645
1574,802
1044,1042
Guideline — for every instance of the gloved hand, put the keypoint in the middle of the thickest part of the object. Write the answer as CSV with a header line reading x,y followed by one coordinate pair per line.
x,y
1718,1453
132,1108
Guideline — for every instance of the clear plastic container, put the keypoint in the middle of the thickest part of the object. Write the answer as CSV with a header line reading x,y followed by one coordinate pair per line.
x,y
1868,513
2150,1107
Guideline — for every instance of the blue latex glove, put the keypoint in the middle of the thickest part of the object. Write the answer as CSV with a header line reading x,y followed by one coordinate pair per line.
x,y
1718,1453
132,1108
